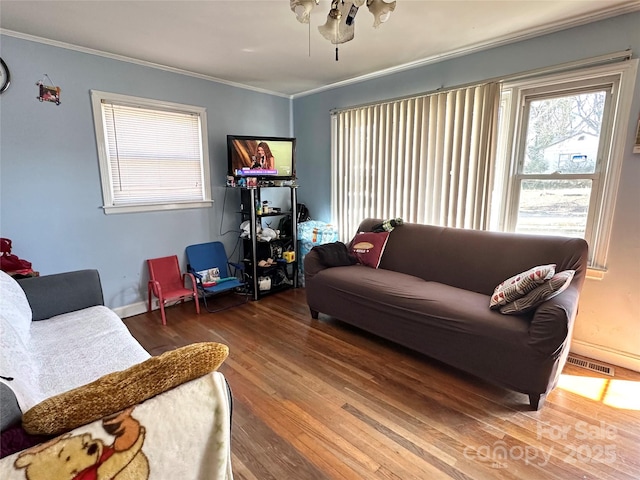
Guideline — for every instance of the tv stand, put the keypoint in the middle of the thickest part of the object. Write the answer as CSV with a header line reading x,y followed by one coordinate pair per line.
x,y
280,274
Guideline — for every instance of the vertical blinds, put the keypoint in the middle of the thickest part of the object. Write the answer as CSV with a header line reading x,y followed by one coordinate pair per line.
x,y
425,159
154,155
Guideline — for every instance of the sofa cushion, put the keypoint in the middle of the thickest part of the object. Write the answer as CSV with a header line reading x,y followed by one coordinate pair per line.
x,y
521,284
557,284
368,247
119,390
76,348
14,306
411,305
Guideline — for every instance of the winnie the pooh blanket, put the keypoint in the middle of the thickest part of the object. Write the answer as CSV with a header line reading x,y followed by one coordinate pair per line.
x,y
183,433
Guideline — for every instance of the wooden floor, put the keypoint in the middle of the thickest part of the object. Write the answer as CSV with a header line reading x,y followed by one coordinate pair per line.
x,y
318,399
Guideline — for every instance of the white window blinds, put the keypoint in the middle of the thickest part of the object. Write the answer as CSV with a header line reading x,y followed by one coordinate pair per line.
x,y
153,155
425,159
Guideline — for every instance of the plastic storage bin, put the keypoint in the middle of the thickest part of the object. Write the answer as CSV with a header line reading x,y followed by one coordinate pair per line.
x,y
310,234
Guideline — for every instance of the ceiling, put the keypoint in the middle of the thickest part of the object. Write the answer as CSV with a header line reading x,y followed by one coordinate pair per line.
x,y
261,45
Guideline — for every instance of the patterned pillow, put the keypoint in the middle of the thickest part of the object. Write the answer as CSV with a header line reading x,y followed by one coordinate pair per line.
x,y
119,390
558,283
368,247
519,285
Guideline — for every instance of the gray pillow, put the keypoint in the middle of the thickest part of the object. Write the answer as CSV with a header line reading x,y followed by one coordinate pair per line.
x,y
558,283
10,413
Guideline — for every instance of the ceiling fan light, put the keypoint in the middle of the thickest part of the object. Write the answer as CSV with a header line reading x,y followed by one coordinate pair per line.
x,y
380,10
330,29
336,29
302,9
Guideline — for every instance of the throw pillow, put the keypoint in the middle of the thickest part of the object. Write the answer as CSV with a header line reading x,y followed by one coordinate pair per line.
x,y
558,283
519,285
119,390
368,247
334,254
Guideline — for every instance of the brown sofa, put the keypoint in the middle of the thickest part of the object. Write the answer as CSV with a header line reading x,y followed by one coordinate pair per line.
x,y
431,293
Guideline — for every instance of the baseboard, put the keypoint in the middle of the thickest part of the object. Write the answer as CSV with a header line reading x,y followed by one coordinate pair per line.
x,y
138,308
132,309
607,355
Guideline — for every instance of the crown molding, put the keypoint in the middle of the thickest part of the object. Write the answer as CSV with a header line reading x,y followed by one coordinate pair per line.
x,y
479,47
475,48
123,58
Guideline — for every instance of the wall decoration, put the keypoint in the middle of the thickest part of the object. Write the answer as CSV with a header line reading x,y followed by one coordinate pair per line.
x,y
636,146
48,93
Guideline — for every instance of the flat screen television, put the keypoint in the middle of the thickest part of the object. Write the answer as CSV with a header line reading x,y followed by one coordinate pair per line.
x,y
263,157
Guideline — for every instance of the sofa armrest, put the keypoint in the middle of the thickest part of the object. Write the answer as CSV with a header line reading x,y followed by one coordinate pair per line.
x,y
60,293
553,321
10,413
312,265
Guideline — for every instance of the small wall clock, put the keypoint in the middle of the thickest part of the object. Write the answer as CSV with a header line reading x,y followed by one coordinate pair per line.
x,y
5,76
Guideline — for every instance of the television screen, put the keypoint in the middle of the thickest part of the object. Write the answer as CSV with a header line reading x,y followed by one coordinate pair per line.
x,y
272,157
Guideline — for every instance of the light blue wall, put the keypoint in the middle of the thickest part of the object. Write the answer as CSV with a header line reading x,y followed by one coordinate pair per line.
x,y
608,325
311,113
50,189
50,194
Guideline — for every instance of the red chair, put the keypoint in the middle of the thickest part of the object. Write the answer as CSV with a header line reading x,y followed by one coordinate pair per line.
x,y
168,284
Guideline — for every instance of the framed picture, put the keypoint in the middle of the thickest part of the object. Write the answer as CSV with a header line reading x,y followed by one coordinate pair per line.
x,y
49,94
636,146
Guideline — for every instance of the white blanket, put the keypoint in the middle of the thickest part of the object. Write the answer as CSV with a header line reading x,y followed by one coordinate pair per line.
x,y
48,357
65,352
181,434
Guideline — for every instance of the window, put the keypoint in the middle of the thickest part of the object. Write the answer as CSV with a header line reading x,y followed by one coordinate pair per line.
x,y
543,156
565,154
153,155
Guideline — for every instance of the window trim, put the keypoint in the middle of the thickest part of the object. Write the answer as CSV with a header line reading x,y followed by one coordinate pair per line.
x,y
615,137
526,96
97,97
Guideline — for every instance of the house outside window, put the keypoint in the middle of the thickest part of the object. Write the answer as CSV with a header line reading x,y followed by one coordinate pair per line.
x,y
153,155
564,148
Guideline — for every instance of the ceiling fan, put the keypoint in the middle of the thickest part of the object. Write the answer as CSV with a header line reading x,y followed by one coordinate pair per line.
x,y
340,24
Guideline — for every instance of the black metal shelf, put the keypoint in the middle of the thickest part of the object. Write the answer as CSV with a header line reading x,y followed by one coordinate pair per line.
x,y
255,250
263,215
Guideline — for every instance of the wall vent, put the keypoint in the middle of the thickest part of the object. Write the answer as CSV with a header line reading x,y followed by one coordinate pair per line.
x,y
590,365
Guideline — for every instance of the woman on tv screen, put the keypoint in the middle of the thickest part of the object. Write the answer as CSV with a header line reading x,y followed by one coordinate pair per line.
x,y
263,158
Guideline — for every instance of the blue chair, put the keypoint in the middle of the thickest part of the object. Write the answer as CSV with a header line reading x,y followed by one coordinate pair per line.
x,y
210,266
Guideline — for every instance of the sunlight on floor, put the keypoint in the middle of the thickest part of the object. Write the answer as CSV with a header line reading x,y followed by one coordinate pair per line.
x,y
592,388
624,394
